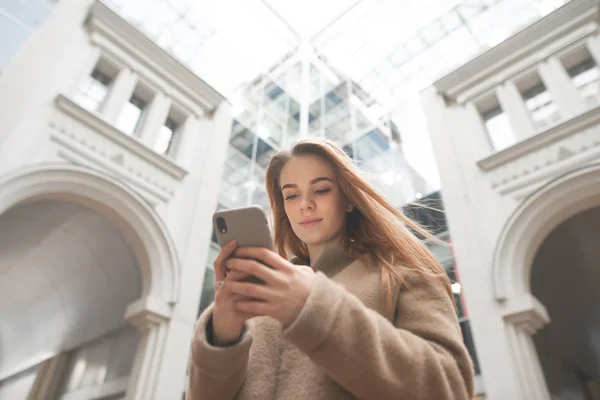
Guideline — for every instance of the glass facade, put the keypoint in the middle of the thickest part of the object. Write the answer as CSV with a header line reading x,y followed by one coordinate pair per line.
x,y
382,48
268,116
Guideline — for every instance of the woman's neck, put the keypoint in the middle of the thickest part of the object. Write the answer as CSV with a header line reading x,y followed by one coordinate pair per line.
x,y
316,250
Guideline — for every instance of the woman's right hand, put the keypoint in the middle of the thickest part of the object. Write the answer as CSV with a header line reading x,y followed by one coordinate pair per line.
x,y
227,321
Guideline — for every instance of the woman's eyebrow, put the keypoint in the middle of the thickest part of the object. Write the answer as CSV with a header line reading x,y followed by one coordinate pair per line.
x,y
316,180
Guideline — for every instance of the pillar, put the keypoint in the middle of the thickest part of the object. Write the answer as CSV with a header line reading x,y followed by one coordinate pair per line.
x,y
119,94
512,103
154,118
522,321
561,88
150,317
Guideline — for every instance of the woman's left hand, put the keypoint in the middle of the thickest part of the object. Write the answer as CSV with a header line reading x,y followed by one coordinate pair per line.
x,y
286,286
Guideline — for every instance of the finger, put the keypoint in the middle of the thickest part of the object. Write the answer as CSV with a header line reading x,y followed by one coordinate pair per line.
x,y
255,268
236,276
264,255
257,308
251,290
224,254
224,295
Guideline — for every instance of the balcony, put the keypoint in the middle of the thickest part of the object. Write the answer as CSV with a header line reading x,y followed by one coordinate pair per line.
x,y
532,161
86,139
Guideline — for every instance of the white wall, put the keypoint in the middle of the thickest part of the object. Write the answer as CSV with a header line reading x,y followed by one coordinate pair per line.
x,y
18,386
53,62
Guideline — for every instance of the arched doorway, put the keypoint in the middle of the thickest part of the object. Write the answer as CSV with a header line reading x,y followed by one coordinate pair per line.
x,y
533,221
67,277
108,208
566,278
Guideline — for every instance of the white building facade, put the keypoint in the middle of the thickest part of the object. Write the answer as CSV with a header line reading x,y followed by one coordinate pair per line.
x,y
111,154
516,133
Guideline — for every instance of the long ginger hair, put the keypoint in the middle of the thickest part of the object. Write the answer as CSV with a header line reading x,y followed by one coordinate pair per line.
x,y
375,231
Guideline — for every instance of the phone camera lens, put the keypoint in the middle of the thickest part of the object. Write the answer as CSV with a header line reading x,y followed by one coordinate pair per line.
x,y
221,225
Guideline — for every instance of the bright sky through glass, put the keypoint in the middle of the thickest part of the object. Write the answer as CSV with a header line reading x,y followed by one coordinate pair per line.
x,y
392,48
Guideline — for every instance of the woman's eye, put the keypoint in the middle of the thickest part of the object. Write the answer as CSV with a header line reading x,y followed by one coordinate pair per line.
x,y
290,197
322,191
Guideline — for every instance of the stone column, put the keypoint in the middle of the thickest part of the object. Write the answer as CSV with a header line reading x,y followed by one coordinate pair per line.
x,y
479,141
120,93
185,140
151,317
512,103
522,322
561,88
154,118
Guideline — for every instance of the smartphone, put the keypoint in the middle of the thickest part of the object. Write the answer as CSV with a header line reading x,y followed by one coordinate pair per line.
x,y
248,226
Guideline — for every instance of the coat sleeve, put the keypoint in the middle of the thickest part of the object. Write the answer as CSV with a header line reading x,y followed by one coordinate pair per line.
x,y
216,373
420,356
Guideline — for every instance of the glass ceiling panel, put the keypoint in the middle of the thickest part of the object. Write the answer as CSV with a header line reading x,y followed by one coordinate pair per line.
x,y
252,51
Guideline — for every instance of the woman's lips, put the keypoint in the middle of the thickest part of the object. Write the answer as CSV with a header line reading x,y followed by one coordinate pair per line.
x,y
311,222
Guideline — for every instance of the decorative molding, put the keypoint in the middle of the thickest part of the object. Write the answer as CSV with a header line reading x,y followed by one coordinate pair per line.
x,y
527,314
141,226
532,221
147,313
573,21
96,141
103,23
563,146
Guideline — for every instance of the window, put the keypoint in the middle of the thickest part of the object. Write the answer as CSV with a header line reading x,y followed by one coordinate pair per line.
x,y
496,122
498,128
538,101
130,117
93,92
166,134
586,78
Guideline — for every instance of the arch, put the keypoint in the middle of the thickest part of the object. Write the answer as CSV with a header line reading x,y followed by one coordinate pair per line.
x,y
532,222
128,211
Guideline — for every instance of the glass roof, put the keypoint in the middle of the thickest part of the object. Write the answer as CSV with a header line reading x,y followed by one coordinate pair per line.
x,y
370,59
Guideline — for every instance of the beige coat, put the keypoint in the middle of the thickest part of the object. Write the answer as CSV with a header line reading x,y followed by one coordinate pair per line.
x,y
343,345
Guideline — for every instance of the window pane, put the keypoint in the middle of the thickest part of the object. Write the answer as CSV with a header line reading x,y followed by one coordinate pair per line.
x,y
165,137
586,78
93,92
541,106
130,116
499,129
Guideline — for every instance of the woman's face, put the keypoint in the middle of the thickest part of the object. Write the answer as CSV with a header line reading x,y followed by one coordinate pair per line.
x,y
313,200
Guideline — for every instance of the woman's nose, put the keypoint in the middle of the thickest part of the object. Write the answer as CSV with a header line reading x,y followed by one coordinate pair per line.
x,y
307,204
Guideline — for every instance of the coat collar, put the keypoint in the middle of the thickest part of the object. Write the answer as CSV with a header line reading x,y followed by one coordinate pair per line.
x,y
333,259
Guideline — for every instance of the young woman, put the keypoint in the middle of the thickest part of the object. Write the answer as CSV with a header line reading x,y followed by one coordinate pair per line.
x,y
363,310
